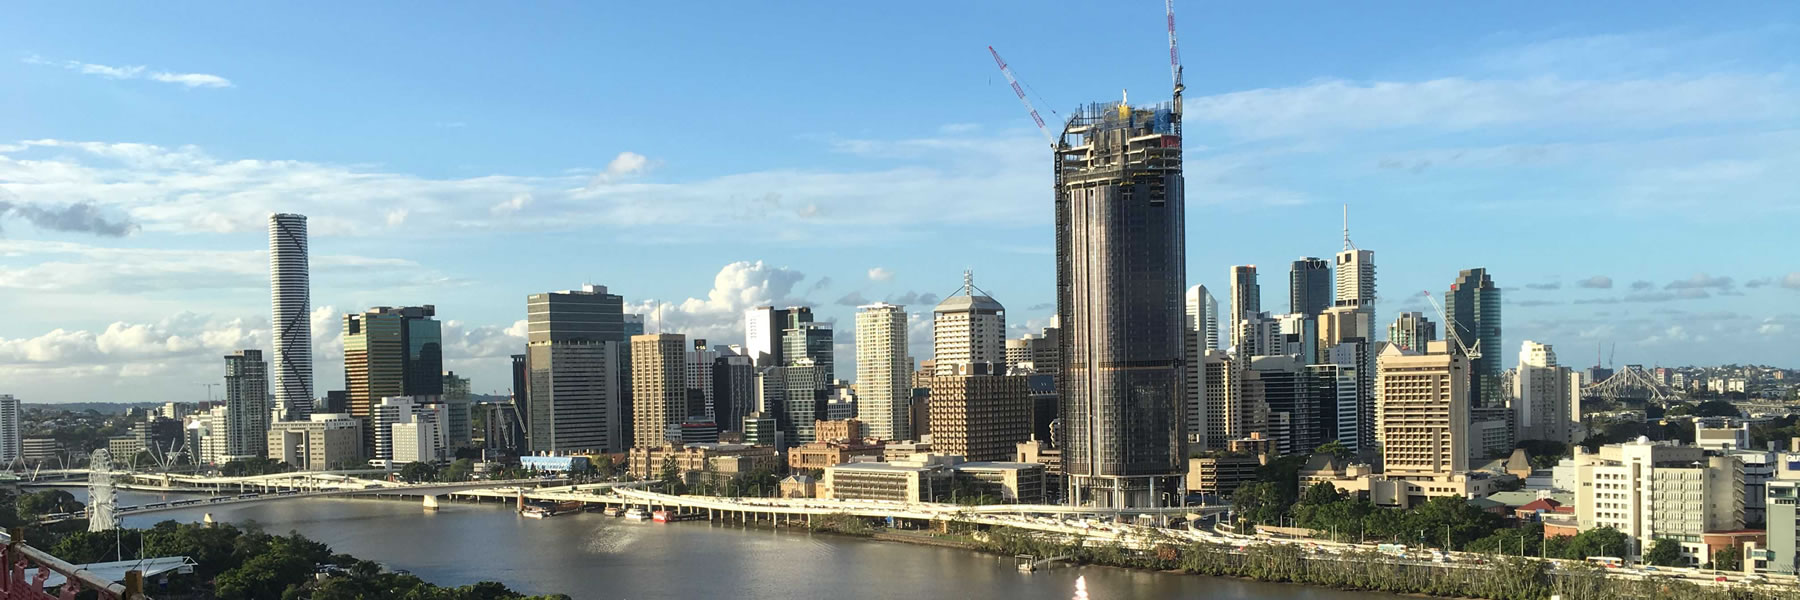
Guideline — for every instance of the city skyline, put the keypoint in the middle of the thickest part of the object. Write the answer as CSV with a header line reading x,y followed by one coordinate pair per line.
x,y
177,200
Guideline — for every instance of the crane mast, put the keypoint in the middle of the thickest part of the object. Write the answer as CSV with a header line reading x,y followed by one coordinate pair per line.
x,y
1450,328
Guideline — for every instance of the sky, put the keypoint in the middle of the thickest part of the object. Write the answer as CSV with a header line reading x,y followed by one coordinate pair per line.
x,y
1629,172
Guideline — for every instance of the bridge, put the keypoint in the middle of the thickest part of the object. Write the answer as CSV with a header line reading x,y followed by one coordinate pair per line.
x,y
1056,518
1630,383
428,491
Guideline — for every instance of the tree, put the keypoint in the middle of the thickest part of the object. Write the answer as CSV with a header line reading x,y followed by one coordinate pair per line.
x,y
1259,502
459,470
1320,494
1334,448
415,472
670,476
1716,408
1666,552
1600,541
1728,559
36,504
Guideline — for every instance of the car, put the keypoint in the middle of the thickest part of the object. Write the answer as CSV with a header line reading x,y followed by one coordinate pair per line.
x,y
1722,579
1649,567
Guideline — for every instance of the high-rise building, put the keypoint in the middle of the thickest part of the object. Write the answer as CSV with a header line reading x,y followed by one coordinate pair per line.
x,y
391,351
1120,270
1309,286
1300,400
1412,331
978,417
1783,502
1651,490
11,437
658,386
1355,275
1473,306
764,330
459,430
1203,317
809,342
1422,411
700,361
290,291
734,387
883,371
246,426
1546,397
521,375
1217,415
795,396
967,329
325,441
575,359
1246,298
1035,354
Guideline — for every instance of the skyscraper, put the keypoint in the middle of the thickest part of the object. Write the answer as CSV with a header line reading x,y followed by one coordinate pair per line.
x,y
1355,274
763,329
1412,330
700,362
574,349
290,293
967,329
883,371
810,342
658,386
1546,396
1120,227
246,404
1309,286
11,438
1203,317
391,351
1423,411
734,387
1246,298
1473,305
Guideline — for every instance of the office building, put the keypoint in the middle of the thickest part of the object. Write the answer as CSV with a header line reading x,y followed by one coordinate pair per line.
x,y
1246,298
1473,306
1120,231
415,442
810,343
1202,318
1220,474
576,354
1310,289
11,436
391,351
978,417
967,328
840,402
403,410
763,332
290,292
1217,413
1650,490
699,367
1035,353
734,387
760,429
247,399
206,434
1546,397
658,386
1783,552
1297,335
1355,278
460,429
40,450
323,442
883,370
1422,411
1411,331
796,396
1258,334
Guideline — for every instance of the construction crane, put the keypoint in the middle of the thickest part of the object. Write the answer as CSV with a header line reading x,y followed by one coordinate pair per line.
x,y
1014,81
1450,327
1174,63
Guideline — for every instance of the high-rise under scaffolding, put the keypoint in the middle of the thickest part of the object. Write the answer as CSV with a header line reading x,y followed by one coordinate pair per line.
x,y
1120,275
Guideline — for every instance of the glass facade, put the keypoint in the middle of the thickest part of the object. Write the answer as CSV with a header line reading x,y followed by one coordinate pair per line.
x,y
1310,289
1473,305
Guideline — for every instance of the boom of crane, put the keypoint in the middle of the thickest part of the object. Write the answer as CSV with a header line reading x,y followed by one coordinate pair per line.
x,y
1014,82
1450,328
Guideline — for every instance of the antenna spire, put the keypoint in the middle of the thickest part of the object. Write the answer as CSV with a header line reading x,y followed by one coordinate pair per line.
x,y
968,282
1347,245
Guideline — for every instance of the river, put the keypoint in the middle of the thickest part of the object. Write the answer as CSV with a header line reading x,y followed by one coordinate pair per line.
x,y
593,557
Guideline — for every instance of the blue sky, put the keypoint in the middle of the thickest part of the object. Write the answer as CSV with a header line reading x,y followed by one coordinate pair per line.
x,y
1627,171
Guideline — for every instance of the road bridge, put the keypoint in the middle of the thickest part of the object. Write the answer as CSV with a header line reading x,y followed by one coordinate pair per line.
x,y
428,491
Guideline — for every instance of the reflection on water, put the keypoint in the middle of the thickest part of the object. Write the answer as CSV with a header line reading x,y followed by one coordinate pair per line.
x,y
593,557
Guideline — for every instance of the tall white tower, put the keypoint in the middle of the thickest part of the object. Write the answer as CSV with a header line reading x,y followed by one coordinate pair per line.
x,y
1355,275
290,290
968,329
882,371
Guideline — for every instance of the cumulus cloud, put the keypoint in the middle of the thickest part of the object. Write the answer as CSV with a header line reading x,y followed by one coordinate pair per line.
x,y
1700,281
1597,282
852,299
73,268
178,336
191,80
512,205
910,298
880,274
720,315
1791,281
1642,285
1544,286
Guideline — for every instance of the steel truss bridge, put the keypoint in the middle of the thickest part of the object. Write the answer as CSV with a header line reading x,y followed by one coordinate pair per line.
x,y
1629,383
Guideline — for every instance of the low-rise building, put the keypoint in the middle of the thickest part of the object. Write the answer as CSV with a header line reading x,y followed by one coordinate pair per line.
x,y
1649,490
1782,552
1040,452
647,463
1011,482
838,430
1221,475
899,451
898,481
819,455
37,450
799,486
326,441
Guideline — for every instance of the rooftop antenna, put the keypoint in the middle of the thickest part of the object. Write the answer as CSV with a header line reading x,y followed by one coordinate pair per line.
x,y
968,282
1347,245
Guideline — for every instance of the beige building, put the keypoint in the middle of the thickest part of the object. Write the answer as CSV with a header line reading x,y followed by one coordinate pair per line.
x,y
978,417
1221,475
839,430
723,459
968,329
658,386
1422,411
1546,397
327,441
1649,490
883,371
819,455
925,480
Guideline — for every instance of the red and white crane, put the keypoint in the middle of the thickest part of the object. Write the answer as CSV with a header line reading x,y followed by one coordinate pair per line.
x,y
1006,70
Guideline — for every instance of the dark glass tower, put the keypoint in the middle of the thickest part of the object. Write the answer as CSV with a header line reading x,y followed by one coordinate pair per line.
x,y
1310,289
1473,305
1120,278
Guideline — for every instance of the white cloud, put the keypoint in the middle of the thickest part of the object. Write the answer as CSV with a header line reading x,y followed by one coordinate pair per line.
x,y
191,80
880,274
66,267
396,217
1771,328
1791,281
719,316
627,163
512,205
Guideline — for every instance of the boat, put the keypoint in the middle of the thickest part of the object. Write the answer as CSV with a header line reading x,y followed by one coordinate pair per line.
x,y
636,514
536,512
615,511
661,516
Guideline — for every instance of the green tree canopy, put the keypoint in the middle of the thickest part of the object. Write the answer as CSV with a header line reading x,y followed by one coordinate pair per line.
x,y
418,471
1666,552
1728,559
